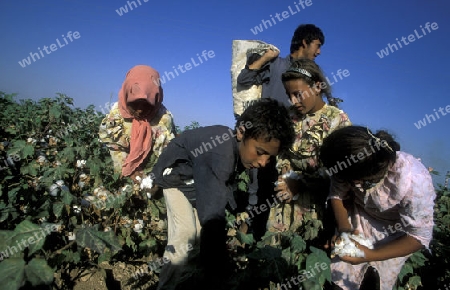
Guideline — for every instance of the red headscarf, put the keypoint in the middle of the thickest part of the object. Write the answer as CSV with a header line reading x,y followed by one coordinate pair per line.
x,y
141,82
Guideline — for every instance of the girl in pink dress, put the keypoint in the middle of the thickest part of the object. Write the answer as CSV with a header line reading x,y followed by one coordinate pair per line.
x,y
383,193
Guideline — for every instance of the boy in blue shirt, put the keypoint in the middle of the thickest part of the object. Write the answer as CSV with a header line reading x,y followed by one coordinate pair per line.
x,y
197,172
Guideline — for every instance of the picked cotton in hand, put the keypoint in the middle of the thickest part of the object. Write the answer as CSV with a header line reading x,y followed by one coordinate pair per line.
x,y
291,175
347,247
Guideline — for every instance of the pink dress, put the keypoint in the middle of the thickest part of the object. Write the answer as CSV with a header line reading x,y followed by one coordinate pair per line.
x,y
400,203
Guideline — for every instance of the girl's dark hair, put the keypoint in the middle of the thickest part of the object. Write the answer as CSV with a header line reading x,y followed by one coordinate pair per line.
x,y
354,153
317,75
268,119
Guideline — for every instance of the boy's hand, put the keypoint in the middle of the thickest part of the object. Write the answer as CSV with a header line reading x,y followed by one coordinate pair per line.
x,y
270,54
287,189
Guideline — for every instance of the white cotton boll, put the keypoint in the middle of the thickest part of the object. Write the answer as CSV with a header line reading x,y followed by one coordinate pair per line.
x,y
83,179
189,181
291,175
346,247
81,163
41,159
362,240
167,171
76,209
54,189
71,236
146,183
31,140
138,226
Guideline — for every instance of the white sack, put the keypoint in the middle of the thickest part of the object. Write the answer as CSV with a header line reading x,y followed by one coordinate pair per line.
x,y
242,97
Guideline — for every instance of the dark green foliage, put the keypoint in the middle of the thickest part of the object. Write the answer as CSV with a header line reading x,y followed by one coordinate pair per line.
x,y
62,208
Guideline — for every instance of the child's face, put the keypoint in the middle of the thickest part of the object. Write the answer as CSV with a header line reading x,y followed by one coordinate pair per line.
x,y
303,97
139,108
256,153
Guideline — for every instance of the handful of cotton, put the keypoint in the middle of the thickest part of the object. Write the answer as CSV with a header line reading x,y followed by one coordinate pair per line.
x,y
288,175
346,247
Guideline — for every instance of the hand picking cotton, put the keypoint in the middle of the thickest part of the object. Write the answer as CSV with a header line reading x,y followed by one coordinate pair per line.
x,y
346,247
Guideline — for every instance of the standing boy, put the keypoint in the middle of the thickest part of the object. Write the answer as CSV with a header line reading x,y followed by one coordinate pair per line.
x,y
306,43
197,173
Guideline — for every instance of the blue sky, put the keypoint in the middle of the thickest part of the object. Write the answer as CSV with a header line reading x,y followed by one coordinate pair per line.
x,y
392,92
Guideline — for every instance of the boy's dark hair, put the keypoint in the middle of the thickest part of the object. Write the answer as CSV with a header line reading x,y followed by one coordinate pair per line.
x,y
294,72
308,32
268,119
378,152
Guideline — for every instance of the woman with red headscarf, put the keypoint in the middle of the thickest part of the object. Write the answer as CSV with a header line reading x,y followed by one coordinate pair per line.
x,y
138,127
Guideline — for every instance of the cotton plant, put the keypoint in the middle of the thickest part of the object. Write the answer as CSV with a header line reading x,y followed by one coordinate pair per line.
x,y
346,247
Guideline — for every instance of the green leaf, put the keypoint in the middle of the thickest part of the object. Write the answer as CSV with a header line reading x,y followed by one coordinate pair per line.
x,y
4,211
5,245
148,244
28,151
418,259
12,273
415,281
130,243
12,195
71,257
68,153
38,272
29,169
319,263
98,241
55,111
104,257
154,210
30,234
17,145
115,201
67,197
298,244
57,208
311,284
244,238
406,269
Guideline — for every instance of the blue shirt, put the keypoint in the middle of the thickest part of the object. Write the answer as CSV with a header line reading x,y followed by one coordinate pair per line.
x,y
269,76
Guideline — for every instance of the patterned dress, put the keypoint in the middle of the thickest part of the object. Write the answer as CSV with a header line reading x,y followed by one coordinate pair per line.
x,y
401,203
310,129
115,132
